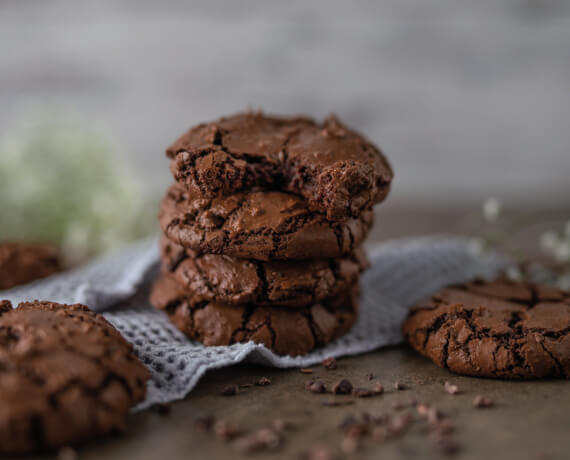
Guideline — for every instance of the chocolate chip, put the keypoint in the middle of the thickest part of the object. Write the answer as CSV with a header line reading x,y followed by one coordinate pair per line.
x,y
329,363
378,388
230,390
450,388
316,386
263,381
343,387
481,402
306,371
362,392
399,386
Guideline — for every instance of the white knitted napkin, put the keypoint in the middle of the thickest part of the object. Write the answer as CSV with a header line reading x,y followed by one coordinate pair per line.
x,y
401,273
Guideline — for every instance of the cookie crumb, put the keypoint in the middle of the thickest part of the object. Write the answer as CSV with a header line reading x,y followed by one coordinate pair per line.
x,y
262,439
450,388
329,363
481,402
316,386
342,387
263,381
230,390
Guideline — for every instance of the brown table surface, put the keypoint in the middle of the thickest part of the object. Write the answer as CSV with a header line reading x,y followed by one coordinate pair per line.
x,y
531,419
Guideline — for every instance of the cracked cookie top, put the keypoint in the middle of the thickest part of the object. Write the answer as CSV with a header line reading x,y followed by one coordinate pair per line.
x,y
338,171
22,263
235,281
286,331
257,225
66,376
502,329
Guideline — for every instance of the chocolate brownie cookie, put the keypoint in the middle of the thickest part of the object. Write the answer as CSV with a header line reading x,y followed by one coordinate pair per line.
x,y
21,263
285,331
229,280
501,329
336,170
257,225
66,376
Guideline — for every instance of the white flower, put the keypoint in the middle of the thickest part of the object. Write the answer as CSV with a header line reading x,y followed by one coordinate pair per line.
x,y
491,209
514,273
549,241
475,246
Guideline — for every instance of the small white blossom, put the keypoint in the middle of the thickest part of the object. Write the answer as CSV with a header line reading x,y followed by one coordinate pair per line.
x,y
549,241
476,246
514,273
492,209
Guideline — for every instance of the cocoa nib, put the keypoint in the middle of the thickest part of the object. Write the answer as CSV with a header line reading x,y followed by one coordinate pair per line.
x,y
230,390
329,363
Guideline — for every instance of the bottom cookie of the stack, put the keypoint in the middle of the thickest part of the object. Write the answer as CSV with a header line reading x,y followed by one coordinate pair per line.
x,y
286,331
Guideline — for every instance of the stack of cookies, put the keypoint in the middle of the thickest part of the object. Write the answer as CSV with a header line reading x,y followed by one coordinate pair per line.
x,y
263,230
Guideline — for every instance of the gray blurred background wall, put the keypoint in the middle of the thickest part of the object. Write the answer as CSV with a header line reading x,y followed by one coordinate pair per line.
x,y
468,98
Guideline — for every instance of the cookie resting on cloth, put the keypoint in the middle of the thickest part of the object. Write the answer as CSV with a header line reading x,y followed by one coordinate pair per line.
x,y
282,330
257,225
236,281
66,376
22,263
336,170
502,329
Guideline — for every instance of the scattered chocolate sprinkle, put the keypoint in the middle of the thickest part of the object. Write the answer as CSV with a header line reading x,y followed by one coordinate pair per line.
x,y
329,363
230,390
481,402
362,392
378,388
316,386
451,388
399,385
226,431
263,381
306,371
343,387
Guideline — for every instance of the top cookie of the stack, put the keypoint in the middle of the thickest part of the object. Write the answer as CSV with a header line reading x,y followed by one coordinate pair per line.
x,y
337,171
